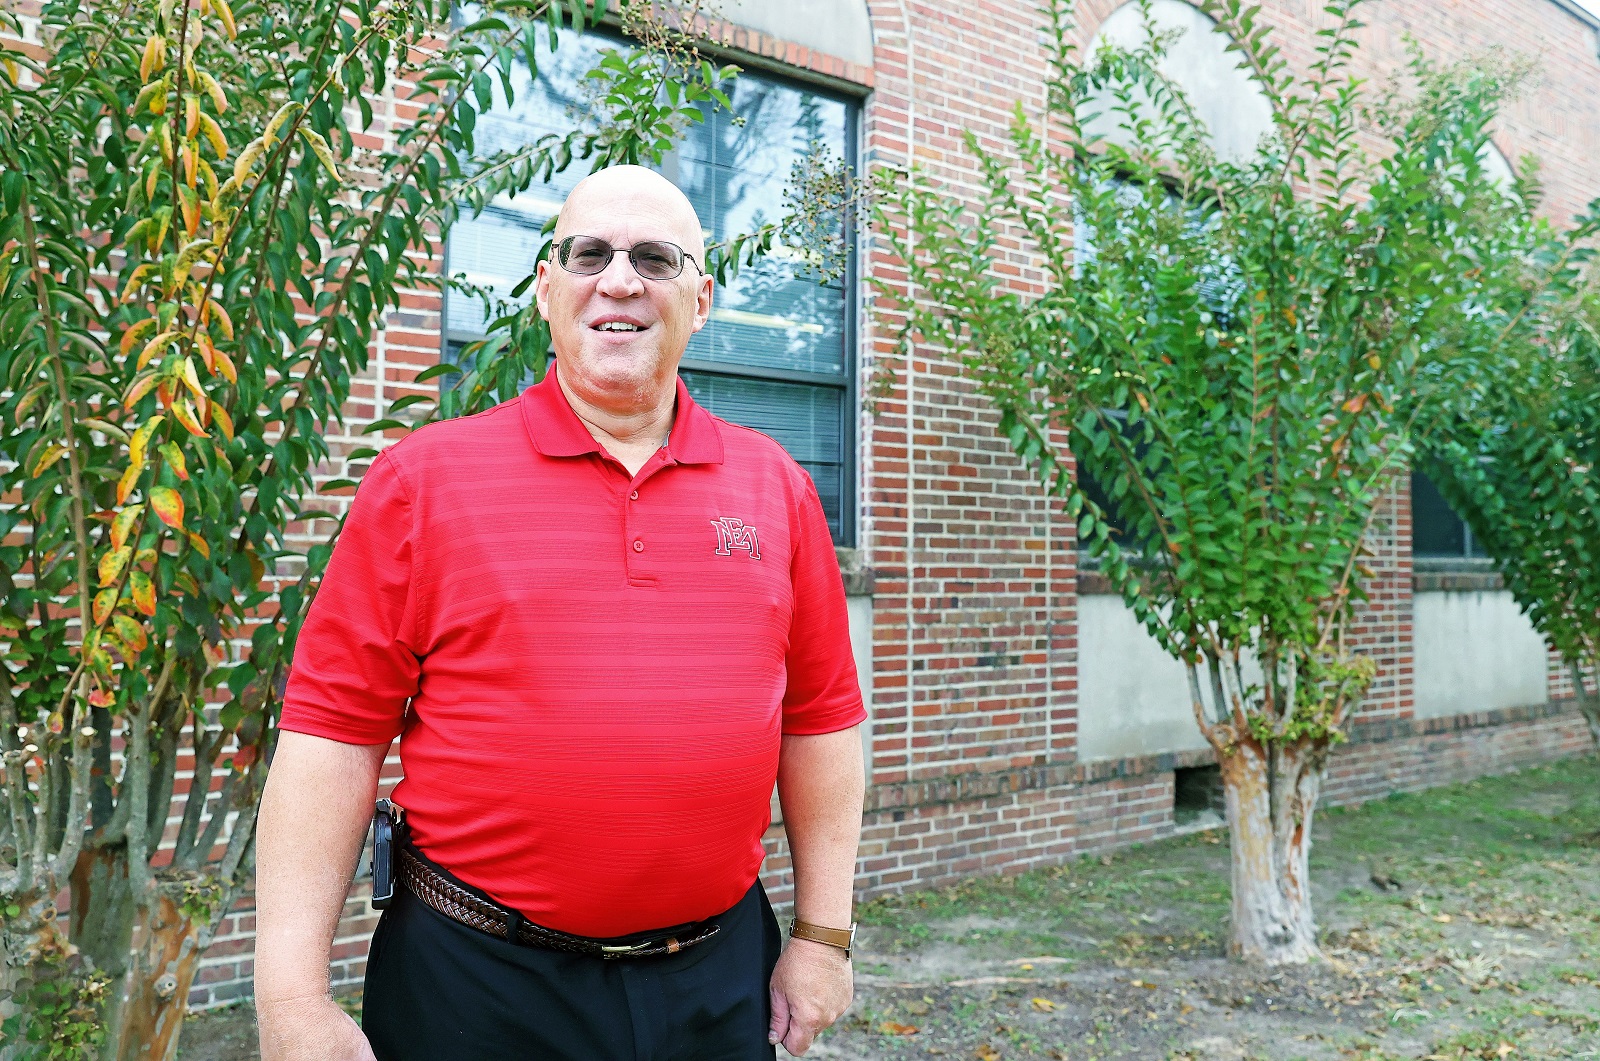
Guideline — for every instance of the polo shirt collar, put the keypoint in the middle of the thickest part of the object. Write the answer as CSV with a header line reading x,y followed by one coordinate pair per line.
x,y
557,432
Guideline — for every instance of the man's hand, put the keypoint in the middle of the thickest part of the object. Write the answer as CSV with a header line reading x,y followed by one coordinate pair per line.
x,y
313,1029
811,988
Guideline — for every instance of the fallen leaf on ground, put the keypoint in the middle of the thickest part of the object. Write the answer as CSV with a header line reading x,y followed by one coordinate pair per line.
x,y
890,1027
987,1053
1044,1005
1443,919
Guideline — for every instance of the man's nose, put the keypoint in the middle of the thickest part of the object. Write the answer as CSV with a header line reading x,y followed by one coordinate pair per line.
x,y
619,279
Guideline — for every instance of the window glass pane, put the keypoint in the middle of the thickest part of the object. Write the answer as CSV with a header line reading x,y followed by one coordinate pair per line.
x,y
734,169
807,420
498,248
1435,528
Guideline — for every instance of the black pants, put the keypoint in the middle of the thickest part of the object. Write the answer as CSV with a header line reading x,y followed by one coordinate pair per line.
x,y
437,990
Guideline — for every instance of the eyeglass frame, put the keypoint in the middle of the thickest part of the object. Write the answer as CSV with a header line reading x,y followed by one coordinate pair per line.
x,y
564,248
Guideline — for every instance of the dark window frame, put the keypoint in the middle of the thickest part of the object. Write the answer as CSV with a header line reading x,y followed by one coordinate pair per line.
x,y
853,98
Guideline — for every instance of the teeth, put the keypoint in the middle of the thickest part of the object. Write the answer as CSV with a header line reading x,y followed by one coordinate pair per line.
x,y
618,326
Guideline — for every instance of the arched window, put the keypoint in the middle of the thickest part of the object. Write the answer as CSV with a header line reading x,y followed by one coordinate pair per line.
x,y
1224,96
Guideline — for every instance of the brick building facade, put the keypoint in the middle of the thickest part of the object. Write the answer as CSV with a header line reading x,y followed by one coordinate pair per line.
x,y
1018,716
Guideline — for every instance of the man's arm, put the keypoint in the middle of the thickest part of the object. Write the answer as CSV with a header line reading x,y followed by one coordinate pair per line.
x,y
821,785
313,824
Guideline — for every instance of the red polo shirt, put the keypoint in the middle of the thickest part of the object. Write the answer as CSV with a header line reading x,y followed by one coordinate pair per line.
x,y
589,671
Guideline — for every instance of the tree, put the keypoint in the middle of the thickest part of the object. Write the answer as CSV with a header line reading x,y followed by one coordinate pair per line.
x,y
1519,459
196,251
1236,353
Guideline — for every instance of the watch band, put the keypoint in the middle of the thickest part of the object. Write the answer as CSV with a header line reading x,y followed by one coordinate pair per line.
x,y
842,938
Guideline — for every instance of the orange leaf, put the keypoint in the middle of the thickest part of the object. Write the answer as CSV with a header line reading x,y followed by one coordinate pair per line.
x,y
167,504
218,413
225,366
143,591
244,757
186,416
123,524
139,389
112,563
129,480
1356,404
101,698
889,1027
104,601
215,311
174,458
201,546
131,632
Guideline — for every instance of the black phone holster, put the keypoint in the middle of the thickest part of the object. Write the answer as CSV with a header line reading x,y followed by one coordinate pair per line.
x,y
388,834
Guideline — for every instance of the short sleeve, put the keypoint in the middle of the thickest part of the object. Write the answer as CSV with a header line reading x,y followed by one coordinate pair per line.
x,y
823,694
355,667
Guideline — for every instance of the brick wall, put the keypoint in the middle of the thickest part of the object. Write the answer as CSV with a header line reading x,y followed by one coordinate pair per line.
x,y
974,645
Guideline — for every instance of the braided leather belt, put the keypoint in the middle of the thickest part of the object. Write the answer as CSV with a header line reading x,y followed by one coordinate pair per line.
x,y
458,904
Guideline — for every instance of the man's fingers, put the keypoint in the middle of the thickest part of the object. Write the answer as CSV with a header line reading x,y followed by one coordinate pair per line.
x,y
780,1016
798,1041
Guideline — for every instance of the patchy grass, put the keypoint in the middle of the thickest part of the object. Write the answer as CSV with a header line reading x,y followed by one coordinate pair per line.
x,y
1483,941
1485,945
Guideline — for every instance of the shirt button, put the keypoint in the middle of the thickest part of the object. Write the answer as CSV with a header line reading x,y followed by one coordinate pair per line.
x,y
634,496
638,546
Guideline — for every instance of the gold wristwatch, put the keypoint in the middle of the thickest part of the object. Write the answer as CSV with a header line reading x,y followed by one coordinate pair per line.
x,y
842,938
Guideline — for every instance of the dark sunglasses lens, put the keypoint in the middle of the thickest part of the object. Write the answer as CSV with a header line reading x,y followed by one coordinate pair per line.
x,y
656,260
585,254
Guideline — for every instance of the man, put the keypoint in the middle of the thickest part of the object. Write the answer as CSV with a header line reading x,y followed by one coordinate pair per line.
x,y
604,622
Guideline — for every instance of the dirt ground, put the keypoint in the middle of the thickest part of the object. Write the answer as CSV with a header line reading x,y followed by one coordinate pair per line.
x,y
1462,923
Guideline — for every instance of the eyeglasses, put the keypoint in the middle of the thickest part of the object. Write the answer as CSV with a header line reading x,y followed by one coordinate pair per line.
x,y
654,259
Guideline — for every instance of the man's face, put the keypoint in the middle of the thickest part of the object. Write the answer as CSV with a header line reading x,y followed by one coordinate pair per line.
x,y
618,335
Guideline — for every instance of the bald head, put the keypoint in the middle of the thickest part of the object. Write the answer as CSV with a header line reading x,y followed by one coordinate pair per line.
x,y
632,191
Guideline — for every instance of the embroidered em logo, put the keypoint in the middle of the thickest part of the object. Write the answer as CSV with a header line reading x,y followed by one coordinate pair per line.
x,y
733,534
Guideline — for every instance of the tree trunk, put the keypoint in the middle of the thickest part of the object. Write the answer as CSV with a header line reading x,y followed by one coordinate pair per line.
x,y
155,989
33,949
1588,705
1269,812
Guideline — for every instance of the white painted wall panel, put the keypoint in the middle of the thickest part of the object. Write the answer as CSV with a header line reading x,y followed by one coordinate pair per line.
x,y
1474,652
1133,698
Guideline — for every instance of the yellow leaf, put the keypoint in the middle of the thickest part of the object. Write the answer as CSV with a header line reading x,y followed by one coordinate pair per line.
x,y
191,115
154,58
220,415
153,346
285,112
129,480
985,1052
49,457
123,525
174,458
225,13
186,416
215,312
1044,1005
130,632
143,592
201,546
112,563
141,438
213,131
167,504
140,331
319,147
214,90
247,160
104,601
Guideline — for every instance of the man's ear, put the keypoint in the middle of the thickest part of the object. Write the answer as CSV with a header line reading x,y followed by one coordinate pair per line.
x,y
702,301
541,290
